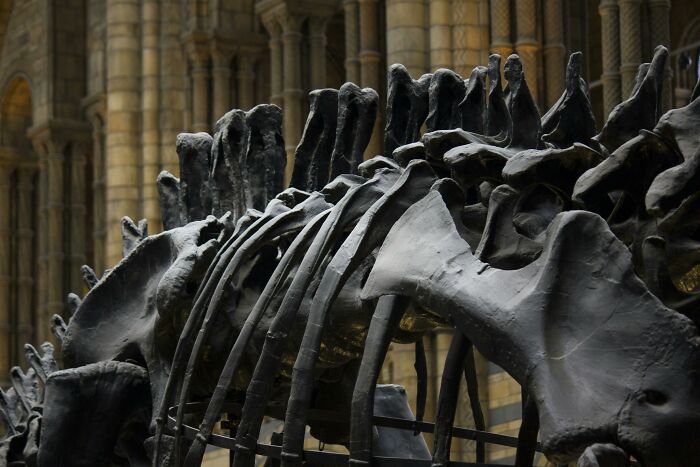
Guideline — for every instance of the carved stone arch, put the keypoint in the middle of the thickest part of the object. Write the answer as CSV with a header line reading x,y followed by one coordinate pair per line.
x,y
16,112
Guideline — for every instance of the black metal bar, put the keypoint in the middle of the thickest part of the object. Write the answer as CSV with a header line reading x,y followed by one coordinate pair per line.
x,y
327,416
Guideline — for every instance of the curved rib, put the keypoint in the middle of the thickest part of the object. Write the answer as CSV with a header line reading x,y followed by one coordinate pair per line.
x,y
273,287
353,205
285,223
387,314
244,228
447,400
370,231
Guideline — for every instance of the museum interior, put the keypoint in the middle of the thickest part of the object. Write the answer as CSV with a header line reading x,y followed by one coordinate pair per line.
x,y
93,94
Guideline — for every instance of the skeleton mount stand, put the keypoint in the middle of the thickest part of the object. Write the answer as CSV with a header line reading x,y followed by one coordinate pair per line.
x,y
320,457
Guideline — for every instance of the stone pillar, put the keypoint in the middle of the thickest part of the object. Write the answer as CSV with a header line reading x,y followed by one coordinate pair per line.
x,y
440,34
173,98
369,64
659,17
470,34
352,62
526,42
245,77
630,43
54,211
150,127
77,214
200,90
317,43
43,234
275,31
99,178
123,119
610,31
501,39
406,34
25,304
221,77
5,273
554,50
292,92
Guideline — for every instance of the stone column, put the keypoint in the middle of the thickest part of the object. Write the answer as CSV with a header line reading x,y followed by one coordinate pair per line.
x,y
200,90
245,77
352,62
501,39
221,78
369,64
99,178
470,34
150,127
43,234
660,31
369,44
173,62
25,259
54,211
123,135
5,273
77,213
275,31
554,50
630,43
292,92
317,43
526,42
406,34
610,31
440,34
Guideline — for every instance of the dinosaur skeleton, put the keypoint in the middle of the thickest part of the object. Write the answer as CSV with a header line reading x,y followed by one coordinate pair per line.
x,y
552,249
